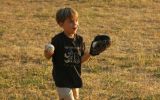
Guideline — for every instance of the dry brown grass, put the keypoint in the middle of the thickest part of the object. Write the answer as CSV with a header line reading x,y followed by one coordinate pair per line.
x,y
129,69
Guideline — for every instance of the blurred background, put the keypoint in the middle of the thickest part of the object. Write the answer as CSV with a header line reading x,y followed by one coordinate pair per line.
x,y
128,70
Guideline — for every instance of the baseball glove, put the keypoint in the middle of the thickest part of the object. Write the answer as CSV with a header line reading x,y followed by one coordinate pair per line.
x,y
99,44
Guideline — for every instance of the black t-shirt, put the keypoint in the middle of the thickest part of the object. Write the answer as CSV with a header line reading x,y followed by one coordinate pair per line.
x,y
67,60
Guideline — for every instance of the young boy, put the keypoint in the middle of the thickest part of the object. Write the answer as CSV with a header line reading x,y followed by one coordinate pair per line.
x,y
68,55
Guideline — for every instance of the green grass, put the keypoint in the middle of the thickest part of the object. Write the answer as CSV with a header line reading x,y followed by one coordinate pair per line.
x,y
128,70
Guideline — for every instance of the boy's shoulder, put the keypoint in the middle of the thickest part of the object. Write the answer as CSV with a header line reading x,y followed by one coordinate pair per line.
x,y
79,38
57,36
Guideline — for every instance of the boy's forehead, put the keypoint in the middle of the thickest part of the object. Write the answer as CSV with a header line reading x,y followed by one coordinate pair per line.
x,y
73,18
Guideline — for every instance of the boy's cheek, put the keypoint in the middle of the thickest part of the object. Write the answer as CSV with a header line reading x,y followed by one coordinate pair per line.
x,y
67,26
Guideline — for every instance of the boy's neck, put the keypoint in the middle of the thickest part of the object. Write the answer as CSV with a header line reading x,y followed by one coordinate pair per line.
x,y
69,35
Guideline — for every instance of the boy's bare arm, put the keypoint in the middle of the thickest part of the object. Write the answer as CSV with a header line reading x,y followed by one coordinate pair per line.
x,y
85,57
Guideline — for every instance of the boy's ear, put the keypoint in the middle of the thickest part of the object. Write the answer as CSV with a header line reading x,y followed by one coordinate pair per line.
x,y
60,24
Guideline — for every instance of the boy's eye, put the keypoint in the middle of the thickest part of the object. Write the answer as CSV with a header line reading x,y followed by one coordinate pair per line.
x,y
72,21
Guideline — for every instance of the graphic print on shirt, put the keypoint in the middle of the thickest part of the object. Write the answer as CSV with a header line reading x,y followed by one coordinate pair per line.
x,y
72,55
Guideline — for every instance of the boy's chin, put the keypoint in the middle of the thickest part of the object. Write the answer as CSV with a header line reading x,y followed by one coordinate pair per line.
x,y
73,32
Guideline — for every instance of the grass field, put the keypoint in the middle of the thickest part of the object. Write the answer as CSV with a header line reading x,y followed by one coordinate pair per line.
x,y
128,70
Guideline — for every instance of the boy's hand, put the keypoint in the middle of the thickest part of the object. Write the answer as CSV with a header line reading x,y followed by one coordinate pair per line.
x,y
49,51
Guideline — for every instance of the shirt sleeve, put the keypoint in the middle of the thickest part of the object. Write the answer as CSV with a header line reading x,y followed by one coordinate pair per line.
x,y
54,42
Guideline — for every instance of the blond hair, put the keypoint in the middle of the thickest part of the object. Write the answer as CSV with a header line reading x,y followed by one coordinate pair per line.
x,y
64,13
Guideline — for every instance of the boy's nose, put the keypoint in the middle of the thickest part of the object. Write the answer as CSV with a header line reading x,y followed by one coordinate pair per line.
x,y
75,23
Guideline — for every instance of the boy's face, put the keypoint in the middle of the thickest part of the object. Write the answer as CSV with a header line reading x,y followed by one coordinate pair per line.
x,y
70,26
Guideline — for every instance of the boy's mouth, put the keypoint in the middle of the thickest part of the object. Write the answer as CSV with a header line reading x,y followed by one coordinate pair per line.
x,y
74,28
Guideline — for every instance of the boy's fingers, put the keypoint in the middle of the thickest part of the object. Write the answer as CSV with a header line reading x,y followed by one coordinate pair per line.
x,y
50,53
